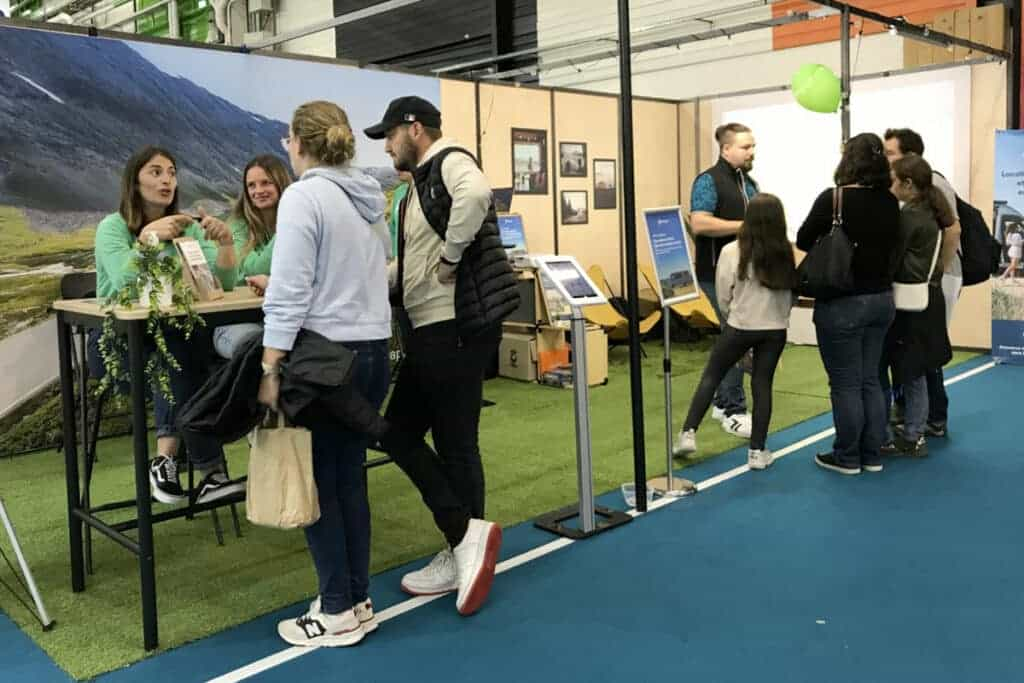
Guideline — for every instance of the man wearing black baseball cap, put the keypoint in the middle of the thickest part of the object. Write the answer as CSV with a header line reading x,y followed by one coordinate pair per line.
x,y
454,280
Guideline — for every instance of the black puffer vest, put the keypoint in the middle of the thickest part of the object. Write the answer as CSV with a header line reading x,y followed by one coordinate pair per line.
x,y
485,287
732,206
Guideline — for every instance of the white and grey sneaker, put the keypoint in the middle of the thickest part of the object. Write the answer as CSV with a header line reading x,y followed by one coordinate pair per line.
x,y
436,578
216,485
476,558
759,459
363,610
686,443
164,481
737,425
316,629
717,413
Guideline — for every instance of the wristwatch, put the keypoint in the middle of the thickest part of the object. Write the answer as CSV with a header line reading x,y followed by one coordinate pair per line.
x,y
269,369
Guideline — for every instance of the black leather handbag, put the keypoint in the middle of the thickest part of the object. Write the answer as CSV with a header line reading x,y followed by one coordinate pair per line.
x,y
827,270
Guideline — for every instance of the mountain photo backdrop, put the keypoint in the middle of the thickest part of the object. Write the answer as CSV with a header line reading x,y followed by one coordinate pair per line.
x,y
73,109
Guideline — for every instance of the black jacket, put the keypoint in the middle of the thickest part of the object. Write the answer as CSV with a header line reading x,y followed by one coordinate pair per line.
x,y
732,206
315,373
486,288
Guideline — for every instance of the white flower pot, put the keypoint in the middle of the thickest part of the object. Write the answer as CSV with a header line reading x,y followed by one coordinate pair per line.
x,y
166,297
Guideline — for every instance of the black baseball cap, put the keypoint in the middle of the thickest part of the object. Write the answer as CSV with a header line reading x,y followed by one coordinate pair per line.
x,y
405,110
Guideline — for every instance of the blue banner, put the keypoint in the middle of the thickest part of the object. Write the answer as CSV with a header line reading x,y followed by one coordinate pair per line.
x,y
670,252
1008,228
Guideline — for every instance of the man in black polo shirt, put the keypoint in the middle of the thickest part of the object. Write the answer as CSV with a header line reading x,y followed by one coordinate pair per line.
x,y
718,203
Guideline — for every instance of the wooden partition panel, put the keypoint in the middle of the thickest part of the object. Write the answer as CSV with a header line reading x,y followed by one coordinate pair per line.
x,y
458,112
502,108
656,154
594,121
972,318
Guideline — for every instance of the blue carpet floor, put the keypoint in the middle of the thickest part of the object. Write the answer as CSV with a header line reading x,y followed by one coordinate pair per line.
x,y
792,574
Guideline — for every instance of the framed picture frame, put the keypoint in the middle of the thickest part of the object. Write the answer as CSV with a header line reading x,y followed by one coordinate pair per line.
x,y
575,208
572,159
606,188
529,161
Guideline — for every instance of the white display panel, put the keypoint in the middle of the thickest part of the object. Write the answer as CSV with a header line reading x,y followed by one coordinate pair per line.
x,y
570,280
798,150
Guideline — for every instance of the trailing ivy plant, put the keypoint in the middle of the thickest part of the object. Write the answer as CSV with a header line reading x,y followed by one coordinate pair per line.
x,y
155,272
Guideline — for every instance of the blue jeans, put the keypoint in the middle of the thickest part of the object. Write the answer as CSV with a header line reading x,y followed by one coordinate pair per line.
x,y
729,395
340,540
915,407
191,355
227,338
851,333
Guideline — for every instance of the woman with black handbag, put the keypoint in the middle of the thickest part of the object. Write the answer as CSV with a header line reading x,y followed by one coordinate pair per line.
x,y
852,317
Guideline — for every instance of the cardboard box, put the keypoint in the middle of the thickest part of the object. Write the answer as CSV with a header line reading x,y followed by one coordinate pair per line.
x,y
597,355
552,351
518,357
988,26
962,29
944,23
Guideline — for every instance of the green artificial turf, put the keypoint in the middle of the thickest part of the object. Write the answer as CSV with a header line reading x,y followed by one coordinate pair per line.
x,y
527,441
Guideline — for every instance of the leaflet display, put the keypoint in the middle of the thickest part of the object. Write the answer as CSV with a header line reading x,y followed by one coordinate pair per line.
x,y
513,236
670,254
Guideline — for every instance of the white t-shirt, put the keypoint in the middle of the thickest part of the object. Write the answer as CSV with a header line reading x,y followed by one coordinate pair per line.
x,y
955,267
1015,240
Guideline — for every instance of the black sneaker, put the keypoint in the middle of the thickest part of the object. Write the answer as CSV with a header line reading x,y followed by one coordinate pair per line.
x,y
216,485
914,449
889,449
936,429
828,461
163,480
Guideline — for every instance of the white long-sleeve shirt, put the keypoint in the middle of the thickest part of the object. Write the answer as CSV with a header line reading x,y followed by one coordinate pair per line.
x,y
747,304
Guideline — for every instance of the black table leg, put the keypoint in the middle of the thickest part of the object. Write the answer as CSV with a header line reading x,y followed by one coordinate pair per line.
x,y
67,400
140,437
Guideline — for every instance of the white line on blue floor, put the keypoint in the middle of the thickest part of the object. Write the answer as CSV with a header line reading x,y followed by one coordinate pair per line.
x,y
278,658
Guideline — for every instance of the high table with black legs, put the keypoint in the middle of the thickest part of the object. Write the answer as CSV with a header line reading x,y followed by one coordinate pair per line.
x,y
237,306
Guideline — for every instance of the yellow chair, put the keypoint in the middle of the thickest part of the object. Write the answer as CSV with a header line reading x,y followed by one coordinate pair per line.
x,y
698,312
605,315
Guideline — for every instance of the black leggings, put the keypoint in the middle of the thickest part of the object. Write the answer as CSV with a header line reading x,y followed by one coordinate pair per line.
x,y
728,350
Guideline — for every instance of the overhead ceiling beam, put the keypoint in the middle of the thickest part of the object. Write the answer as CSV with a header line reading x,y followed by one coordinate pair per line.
x,y
347,18
908,30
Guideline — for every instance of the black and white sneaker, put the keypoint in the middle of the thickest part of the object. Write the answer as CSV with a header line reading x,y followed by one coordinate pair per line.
x,y
828,461
163,480
216,485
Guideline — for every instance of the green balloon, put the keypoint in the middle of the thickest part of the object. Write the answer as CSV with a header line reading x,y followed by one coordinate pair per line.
x,y
816,88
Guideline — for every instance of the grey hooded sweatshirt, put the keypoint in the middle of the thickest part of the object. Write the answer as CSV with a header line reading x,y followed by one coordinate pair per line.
x,y
329,263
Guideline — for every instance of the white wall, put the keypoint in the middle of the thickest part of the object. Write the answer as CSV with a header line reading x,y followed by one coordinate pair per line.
x,y
296,14
744,61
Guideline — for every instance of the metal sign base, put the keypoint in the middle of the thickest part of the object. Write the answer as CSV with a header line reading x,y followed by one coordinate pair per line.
x,y
605,519
676,487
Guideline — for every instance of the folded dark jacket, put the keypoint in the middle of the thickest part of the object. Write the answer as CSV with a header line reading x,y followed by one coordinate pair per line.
x,y
315,374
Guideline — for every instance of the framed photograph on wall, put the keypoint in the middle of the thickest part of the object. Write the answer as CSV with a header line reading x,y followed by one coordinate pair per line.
x,y
572,159
529,161
605,184
574,207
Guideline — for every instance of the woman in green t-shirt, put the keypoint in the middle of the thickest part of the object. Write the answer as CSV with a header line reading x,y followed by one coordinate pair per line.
x,y
149,210
253,224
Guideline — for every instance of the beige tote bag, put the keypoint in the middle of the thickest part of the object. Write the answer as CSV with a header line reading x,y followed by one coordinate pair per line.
x,y
281,492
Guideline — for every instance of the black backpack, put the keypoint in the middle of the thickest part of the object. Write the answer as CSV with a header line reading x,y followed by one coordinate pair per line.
x,y
979,251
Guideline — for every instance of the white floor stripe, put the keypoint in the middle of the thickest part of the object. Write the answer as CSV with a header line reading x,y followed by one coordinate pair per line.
x,y
278,658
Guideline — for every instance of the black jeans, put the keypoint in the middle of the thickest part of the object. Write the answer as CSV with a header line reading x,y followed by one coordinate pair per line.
x,y
440,389
732,344
938,401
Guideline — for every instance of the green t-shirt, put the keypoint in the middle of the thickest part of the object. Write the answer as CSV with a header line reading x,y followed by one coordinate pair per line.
x,y
257,261
116,256
396,201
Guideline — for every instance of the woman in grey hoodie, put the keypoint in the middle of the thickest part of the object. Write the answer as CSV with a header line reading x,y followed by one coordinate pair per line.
x,y
330,278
